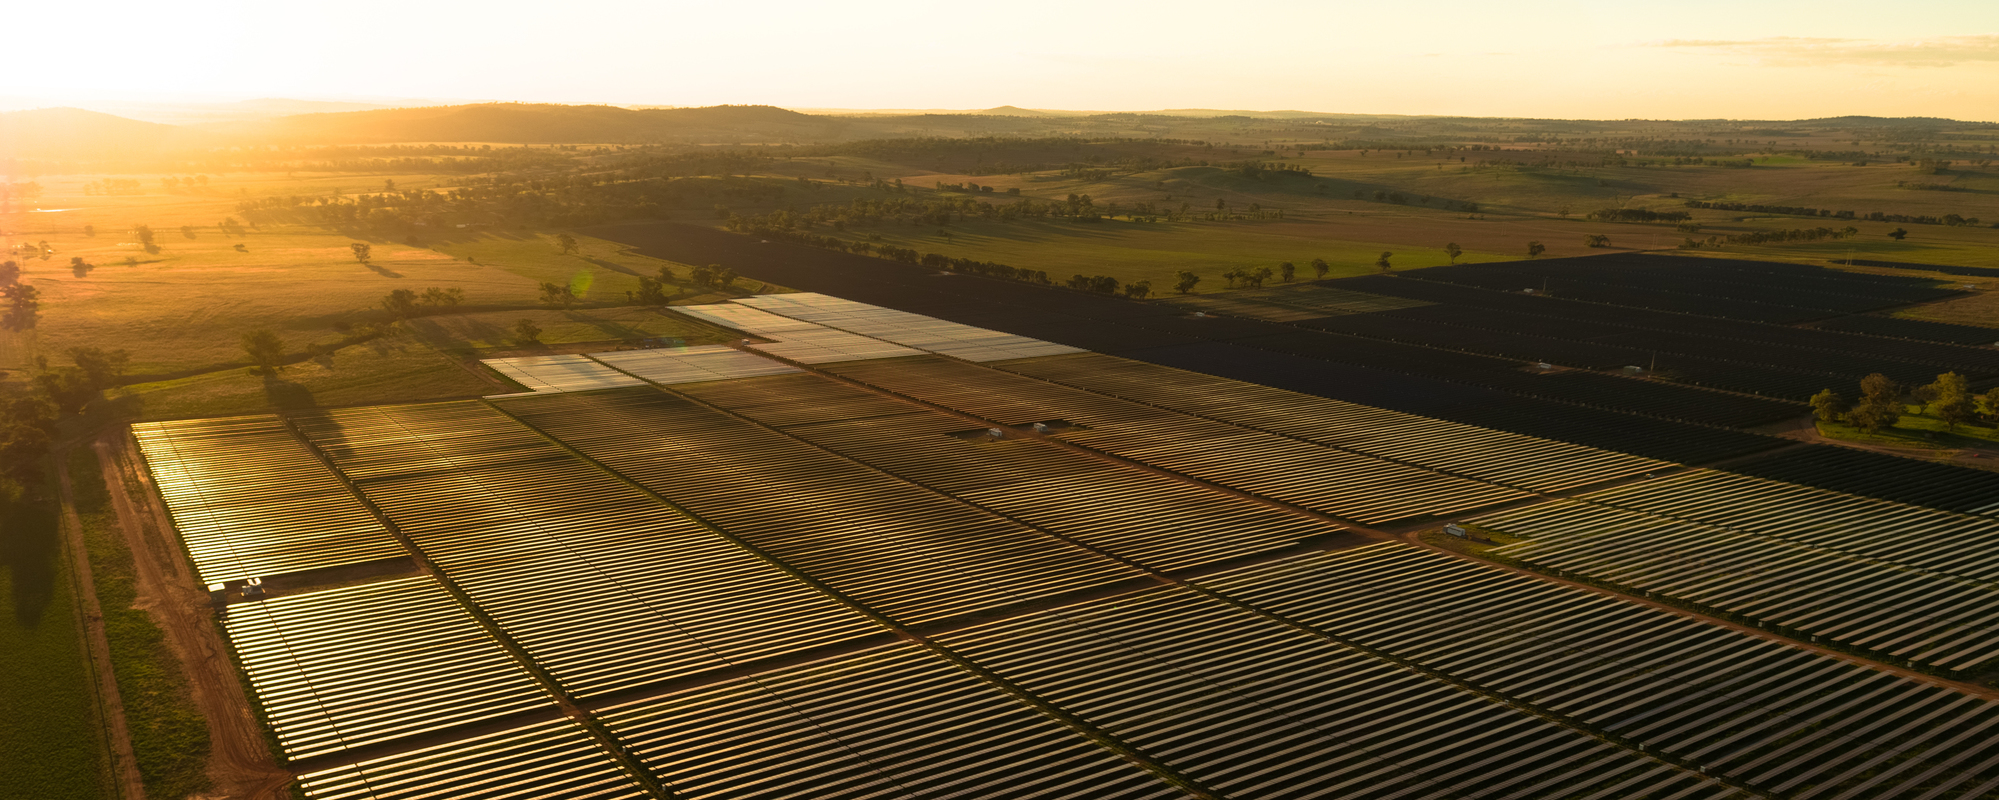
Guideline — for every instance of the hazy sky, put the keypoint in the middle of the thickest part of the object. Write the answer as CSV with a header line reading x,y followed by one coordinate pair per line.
x,y
1565,58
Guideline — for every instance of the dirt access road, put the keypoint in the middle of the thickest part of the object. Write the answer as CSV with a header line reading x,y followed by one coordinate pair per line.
x,y
240,763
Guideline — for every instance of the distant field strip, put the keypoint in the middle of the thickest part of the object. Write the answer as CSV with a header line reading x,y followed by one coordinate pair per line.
x,y
896,723
1253,708
1901,581
1762,714
551,761
1508,459
911,554
560,373
251,501
1155,521
591,576
349,667
903,328
1332,481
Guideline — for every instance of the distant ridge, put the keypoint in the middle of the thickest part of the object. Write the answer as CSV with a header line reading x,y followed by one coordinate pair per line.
x,y
531,123
74,132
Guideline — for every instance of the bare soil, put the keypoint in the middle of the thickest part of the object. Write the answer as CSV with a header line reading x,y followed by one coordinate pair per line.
x,y
240,764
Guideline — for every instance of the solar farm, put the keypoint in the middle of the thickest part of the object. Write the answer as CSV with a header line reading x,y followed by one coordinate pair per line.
x,y
1031,543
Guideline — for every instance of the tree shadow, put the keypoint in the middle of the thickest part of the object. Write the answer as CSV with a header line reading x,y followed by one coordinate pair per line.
x,y
30,552
614,267
382,271
286,394
81,268
19,320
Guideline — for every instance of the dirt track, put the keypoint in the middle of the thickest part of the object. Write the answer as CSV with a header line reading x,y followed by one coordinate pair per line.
x,y
240,763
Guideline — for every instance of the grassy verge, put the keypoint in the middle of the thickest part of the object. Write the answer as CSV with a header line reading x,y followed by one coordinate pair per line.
x,y
1916,431
169,736
52,745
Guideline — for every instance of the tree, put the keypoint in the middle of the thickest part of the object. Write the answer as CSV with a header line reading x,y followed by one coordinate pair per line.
x,y
1595,240
264,348
1988,404
43,248
714,276
10,273
558,295
1137,290
400,303
80,267
1535,249
1262,274
27,430
145,234
1951,400
527,332
1287,270
1828,406
187,231
1320,268
69,389
650,293
361,251
389,185
1381,262
1184,281
567,242
1897,234
1880,403
90,231
1453,250
23,305
443,298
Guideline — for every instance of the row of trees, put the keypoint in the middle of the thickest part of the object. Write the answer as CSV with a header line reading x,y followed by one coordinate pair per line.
x,y
1802,211
1882,402
30,413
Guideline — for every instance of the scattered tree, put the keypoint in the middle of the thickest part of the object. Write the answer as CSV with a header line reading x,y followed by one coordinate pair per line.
x,y
1951,400
567,242
1880,403
526,332
27,430
1381,262
80,267
187,231
1184,281
145,235
713,276
24,303
44,250
264,348
1988,404
1320,268
1535,249
400,303
1138,290
1287,271
1453,250
69,389
361,251
90,231
1829,406
557,294
437,297
1898,234
10,273
1596,240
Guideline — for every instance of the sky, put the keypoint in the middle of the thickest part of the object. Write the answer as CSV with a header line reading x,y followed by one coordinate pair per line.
x,y
1760,59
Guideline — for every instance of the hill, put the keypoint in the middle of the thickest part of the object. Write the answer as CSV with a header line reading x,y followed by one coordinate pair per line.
x,y
538,123
74,132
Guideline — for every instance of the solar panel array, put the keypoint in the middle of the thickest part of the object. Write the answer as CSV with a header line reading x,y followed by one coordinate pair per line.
x,y
1336,482
1129,513
250,501
797,340
1757,713
903,328
692,364
740,578
895,723
1253,708
589,575
1905,582
1509,459
360,665
549,761
560,373
909,553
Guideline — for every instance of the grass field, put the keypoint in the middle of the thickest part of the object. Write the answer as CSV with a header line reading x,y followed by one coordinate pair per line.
x,y
169,736
52,745
1917,430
